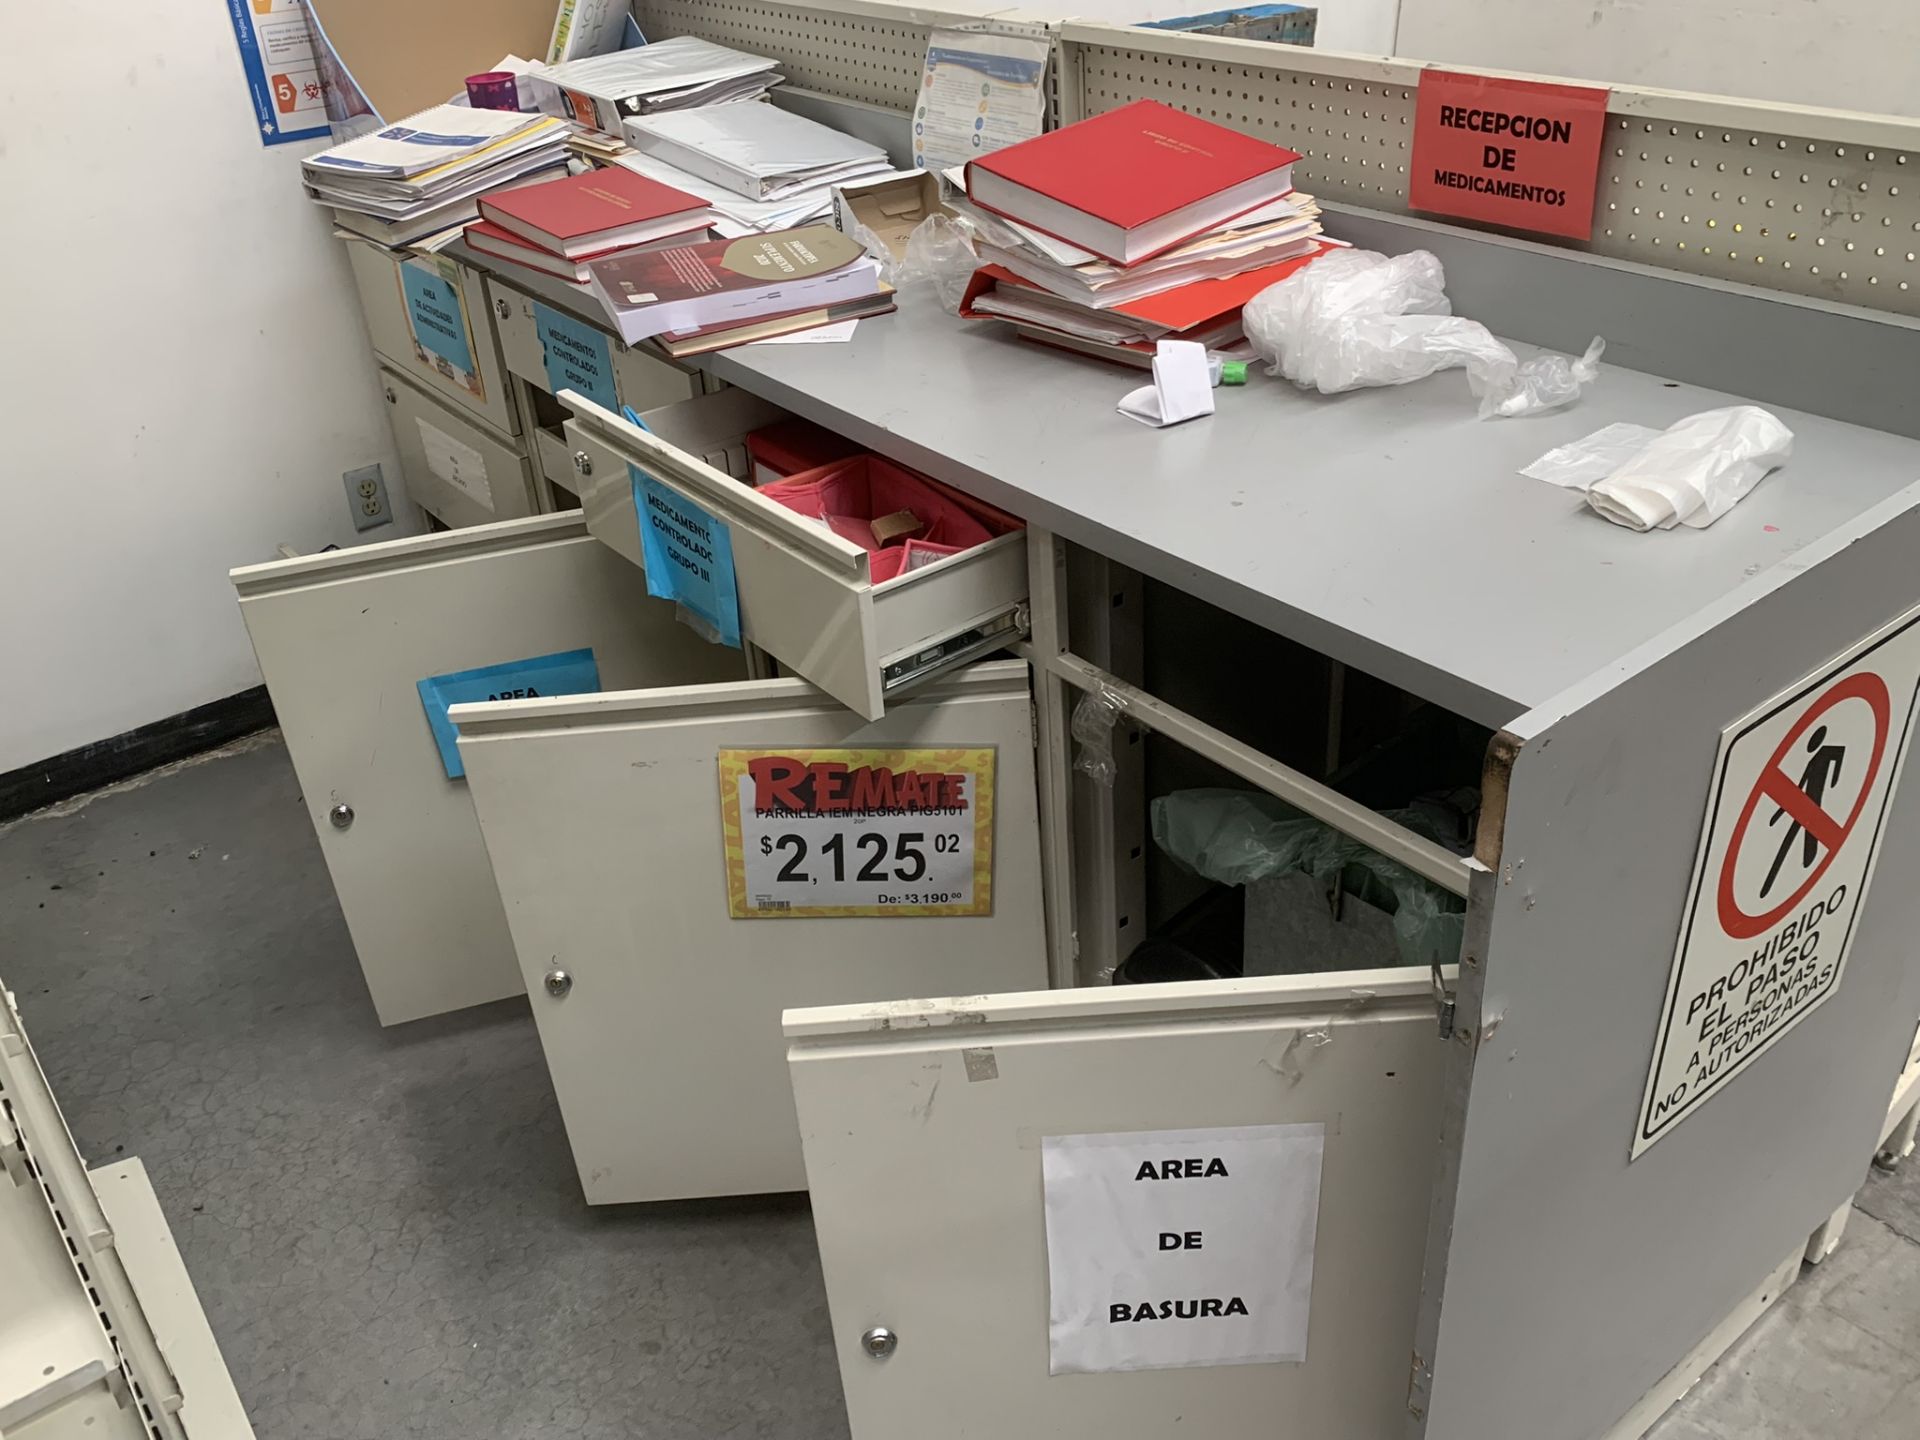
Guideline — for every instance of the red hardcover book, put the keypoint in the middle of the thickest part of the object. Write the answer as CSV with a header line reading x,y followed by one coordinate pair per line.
x,y
1132,182
490,240
593,213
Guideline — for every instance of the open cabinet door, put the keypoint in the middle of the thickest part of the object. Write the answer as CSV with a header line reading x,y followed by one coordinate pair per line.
x,y
345,638
660,1010
952,1224
1686,997
101,1334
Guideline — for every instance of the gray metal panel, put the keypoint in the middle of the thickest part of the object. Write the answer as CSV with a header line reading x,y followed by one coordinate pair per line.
x,y
1834,360
1562,1281
1387,528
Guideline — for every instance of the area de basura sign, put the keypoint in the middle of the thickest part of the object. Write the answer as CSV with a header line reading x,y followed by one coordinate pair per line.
x,y
1522,154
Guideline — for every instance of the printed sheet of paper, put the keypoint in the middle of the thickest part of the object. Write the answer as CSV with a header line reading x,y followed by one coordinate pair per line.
x,y
978,93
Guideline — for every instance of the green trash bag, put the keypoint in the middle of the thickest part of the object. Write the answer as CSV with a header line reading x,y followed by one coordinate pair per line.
x,y
1235,837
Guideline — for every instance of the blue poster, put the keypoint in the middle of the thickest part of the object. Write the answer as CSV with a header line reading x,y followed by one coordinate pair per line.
x,y
433,314
688,556
283,79
570,672
578,356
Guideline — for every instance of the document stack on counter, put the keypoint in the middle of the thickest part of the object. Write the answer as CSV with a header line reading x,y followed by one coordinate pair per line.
x,y
1140,225
427,172
682,73
760,167
561,227
689,299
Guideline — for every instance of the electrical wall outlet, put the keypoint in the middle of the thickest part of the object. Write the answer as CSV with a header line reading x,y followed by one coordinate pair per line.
x,y
367,497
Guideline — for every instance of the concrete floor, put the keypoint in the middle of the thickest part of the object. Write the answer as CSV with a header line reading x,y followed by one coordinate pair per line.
x,y
385,1226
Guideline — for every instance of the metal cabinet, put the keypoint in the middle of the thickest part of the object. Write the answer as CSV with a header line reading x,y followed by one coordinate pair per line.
x,y
1519,1278
456,471
806,594
343,640
101,1334
429,320
636,379
659,1012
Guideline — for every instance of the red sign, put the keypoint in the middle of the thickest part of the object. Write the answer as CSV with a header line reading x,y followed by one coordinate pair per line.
x,y
1823,830
1517,153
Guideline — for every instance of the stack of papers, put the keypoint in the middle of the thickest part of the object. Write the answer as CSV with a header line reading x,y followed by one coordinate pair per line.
x,y
736,215
759,152
1056,292
428,170
682,73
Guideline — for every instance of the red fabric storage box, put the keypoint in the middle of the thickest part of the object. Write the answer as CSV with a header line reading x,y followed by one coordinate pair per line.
x,y
849,495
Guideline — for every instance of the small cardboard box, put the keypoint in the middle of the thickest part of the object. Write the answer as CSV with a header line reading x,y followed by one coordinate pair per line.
x,y
888,205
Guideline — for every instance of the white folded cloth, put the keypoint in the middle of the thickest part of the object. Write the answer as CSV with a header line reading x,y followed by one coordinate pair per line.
x,y
1182,387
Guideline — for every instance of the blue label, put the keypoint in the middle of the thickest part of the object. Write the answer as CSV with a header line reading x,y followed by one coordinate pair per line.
x,y
578,357
433,314
688,555
571,672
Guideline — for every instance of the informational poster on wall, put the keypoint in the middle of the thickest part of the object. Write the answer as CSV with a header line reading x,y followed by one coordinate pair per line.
x,y
1176,1248
978,93
877,833
1523,154
283,77
1792,832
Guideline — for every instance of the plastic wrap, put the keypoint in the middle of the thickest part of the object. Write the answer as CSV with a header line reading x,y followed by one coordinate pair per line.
x,y
1695,470
940,254
1235,837
1092,725
1356,318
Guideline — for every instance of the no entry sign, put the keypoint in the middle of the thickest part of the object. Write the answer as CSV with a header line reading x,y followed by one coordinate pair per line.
x,y
1800,791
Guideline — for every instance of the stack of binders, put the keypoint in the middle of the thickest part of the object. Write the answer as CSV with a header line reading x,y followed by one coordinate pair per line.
x,y
1140,225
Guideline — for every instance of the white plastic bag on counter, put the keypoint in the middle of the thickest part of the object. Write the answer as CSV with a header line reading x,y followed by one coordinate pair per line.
x,y
1356,318
1695,470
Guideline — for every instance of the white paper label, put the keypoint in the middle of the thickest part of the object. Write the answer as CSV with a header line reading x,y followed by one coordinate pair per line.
x,y
1786,854
1181,1247
461,466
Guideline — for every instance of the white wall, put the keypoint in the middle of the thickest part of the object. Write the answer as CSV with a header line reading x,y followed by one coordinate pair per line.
x,y
1362,26
183,376
1843,54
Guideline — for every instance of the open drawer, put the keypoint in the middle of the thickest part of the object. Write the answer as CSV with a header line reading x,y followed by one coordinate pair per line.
x,y
807,596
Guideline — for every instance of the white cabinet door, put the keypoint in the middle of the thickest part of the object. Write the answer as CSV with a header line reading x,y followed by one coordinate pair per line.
x,y
603,818
345,638
923,1127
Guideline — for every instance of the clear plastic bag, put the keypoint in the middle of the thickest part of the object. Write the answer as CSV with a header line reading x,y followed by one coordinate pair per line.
x,y
1094,718
1695,470
1356,318
1234,837
940,254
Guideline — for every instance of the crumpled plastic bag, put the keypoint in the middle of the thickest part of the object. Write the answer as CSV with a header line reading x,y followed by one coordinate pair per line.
x,y
1234,837
939,253
1357,318
1691,473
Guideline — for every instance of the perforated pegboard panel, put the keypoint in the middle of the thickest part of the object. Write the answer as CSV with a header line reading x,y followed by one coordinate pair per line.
x,y
868,52
1788,198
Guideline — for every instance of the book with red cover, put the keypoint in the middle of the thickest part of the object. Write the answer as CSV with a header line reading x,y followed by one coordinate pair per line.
x,y
1132,182
497,244
729,282
1181,308
593,213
